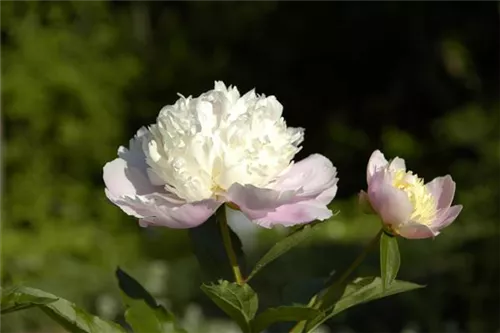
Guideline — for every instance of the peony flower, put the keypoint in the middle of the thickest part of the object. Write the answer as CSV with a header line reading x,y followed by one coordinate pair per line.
x,y
406,205
220,148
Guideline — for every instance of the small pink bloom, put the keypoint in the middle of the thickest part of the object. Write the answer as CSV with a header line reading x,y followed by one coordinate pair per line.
x,y
220,148
405,204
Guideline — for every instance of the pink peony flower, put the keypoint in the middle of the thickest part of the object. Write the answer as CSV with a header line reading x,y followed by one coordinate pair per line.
x,y
220,148
406,205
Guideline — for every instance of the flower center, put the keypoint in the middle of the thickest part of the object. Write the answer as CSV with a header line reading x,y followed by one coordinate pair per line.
x,y
424,205
200,146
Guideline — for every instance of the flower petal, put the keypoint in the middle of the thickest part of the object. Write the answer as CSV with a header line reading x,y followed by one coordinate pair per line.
x,y
120,179
450,216
129,186
135,155
364,203
299,195
397,164
296,213
256,200
413,230
443,190
376,161
390,203
327,195
155,209
312,176
127,175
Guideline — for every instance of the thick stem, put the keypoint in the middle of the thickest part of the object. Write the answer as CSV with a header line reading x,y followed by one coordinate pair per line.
x,y
228,245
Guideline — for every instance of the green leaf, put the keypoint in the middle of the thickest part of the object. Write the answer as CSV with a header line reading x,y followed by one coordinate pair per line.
x,y
282,314
143,318
143,313
239,302
367,289
14,299
133,289
389,259
67,314
284,245
209,249
360,291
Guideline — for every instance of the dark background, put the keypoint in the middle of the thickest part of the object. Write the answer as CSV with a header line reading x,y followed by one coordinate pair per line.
x,y
418,80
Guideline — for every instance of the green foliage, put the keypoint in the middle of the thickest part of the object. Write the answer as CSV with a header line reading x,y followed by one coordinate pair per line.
x,y
361,290
285,245
239,302
67,314
133,289
15,299
64,71
143,313
389,259
282,314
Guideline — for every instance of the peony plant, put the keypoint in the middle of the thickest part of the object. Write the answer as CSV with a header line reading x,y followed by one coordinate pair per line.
x,y
221,150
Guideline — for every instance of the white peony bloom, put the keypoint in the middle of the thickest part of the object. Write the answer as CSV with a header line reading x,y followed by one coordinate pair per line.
x,y
216,148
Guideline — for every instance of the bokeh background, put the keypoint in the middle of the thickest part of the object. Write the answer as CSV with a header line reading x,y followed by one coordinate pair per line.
x,y
418,80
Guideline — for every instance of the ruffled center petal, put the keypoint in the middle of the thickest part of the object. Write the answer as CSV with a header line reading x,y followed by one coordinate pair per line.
x,y
201,146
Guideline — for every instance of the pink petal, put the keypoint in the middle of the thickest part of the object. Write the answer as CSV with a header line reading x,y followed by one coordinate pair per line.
x,y
256,201
157,210
413,230
376,161
443,190
450,216
312,175
364,203
300,195
390,203
296,213
327,195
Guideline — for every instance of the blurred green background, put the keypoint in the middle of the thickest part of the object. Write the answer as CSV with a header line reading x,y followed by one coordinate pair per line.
x,y
417,80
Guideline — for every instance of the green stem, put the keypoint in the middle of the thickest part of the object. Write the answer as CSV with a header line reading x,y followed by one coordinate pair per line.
x,y
228,245
359,259
332,290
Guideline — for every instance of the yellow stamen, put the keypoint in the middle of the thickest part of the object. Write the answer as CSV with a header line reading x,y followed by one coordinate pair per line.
x,y
424,205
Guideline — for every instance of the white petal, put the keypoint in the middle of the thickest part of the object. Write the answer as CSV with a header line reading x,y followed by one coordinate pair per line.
x,y
397,164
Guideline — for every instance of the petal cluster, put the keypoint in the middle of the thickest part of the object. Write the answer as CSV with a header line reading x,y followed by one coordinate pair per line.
x,y
406,205
216,148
